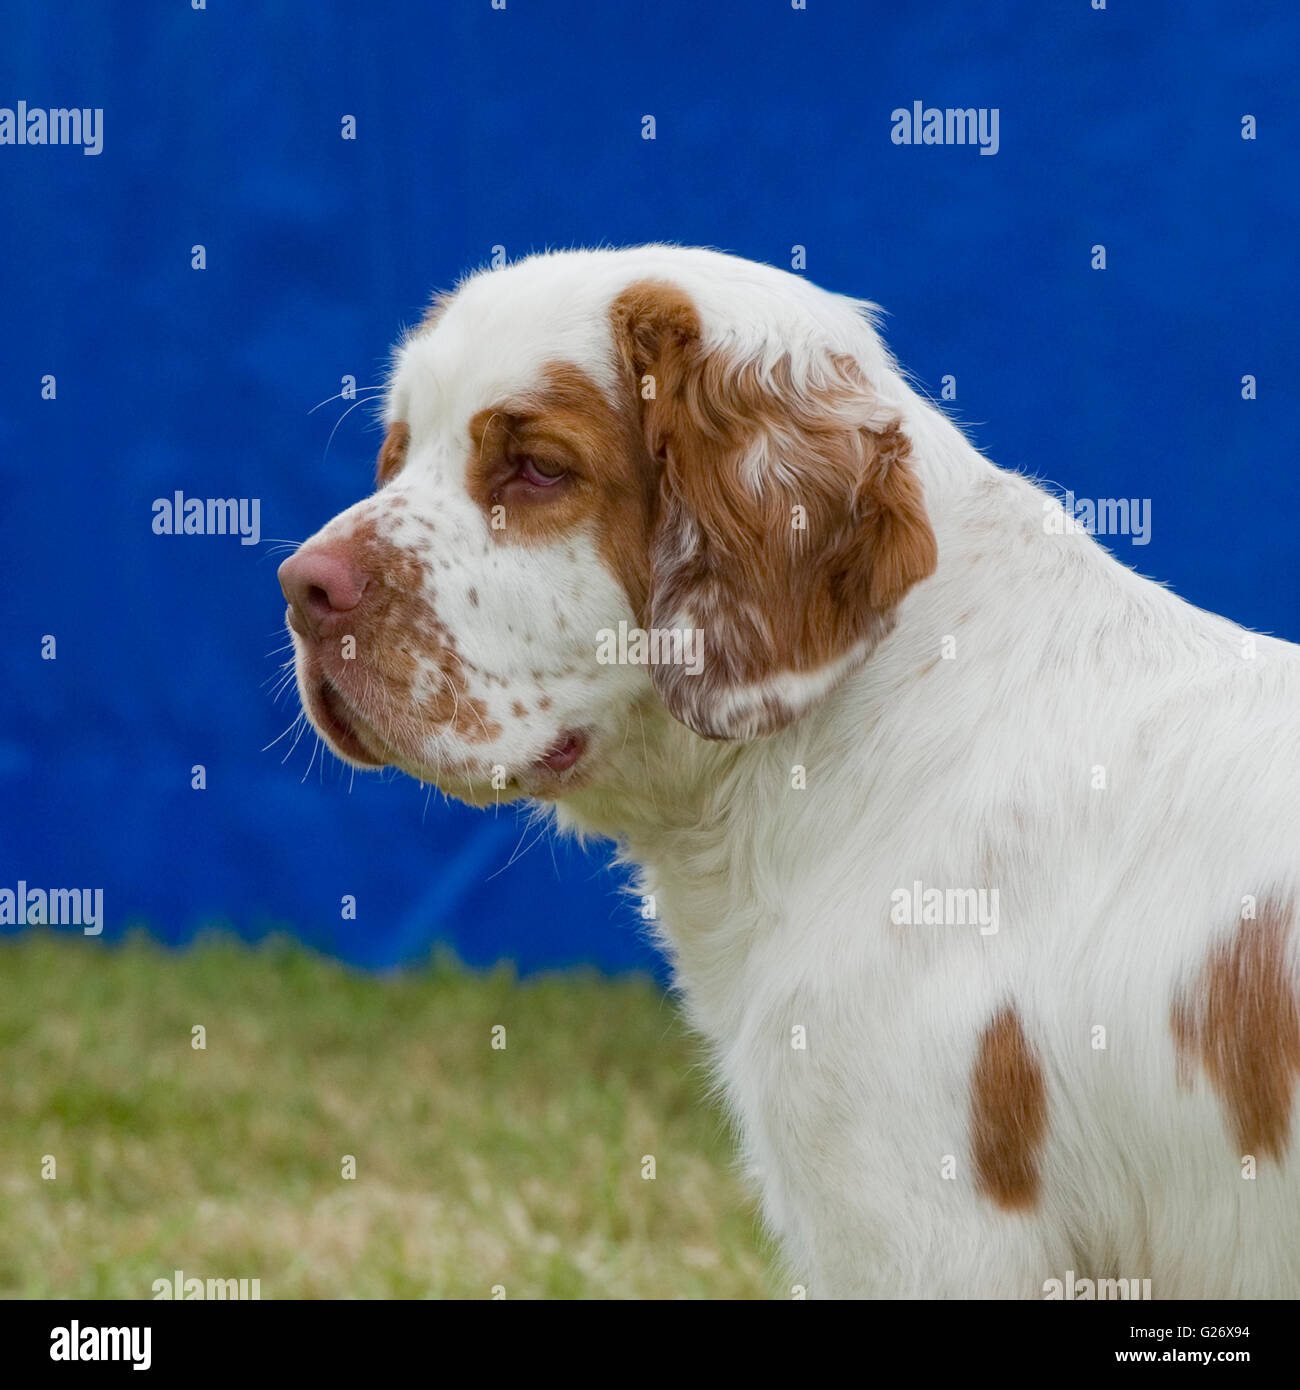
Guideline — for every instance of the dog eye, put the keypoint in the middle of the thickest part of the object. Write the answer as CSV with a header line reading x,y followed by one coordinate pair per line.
x,y
536,472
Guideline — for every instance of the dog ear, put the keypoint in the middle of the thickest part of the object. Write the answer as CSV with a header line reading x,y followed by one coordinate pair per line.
x,y
392,452
790,521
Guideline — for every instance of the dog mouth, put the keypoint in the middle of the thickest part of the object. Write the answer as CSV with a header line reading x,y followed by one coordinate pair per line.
x,y
340,724
353,738
565,753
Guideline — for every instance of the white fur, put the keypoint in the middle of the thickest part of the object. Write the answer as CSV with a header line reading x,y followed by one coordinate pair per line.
x,y
971,772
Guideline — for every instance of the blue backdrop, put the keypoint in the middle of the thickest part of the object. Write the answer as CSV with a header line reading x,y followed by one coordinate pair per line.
x,y
522,128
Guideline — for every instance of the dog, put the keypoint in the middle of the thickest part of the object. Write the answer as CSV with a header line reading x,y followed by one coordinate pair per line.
x,y
975,854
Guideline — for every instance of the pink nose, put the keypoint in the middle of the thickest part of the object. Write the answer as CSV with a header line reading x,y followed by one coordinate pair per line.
x,y
321,584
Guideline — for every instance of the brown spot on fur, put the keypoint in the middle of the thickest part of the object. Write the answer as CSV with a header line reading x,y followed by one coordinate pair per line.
x,y
1240,1020
392,453
518,710
1008,1113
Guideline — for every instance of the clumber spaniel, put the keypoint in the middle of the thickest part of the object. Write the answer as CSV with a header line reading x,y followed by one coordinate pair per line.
x,y
975,852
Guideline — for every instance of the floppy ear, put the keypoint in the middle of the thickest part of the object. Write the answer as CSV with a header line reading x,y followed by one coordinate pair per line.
x,y
790,522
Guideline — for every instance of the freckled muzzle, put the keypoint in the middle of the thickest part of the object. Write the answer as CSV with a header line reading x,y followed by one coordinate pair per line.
x,y
378,671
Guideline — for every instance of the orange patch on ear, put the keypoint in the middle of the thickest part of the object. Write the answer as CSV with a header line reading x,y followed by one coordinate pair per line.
x,y
1240,1019
790,521
903,545
1008,1113
392,453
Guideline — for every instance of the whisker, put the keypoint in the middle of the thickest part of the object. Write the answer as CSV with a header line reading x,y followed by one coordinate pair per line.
x,y
303,725
337,423
293,724
369,391
275,546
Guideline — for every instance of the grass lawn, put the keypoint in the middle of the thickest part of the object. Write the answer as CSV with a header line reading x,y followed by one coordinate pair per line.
x,y
474,1167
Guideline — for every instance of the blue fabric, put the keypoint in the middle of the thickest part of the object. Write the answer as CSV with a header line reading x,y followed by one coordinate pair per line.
x,y
523,128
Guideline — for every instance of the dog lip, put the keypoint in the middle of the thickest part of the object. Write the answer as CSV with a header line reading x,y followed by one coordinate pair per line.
x,y
335,718
571,745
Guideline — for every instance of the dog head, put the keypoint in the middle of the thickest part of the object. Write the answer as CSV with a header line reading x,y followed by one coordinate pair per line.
x,y
609,478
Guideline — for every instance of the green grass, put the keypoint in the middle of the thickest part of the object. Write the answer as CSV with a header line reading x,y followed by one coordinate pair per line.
x,y
474,1167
